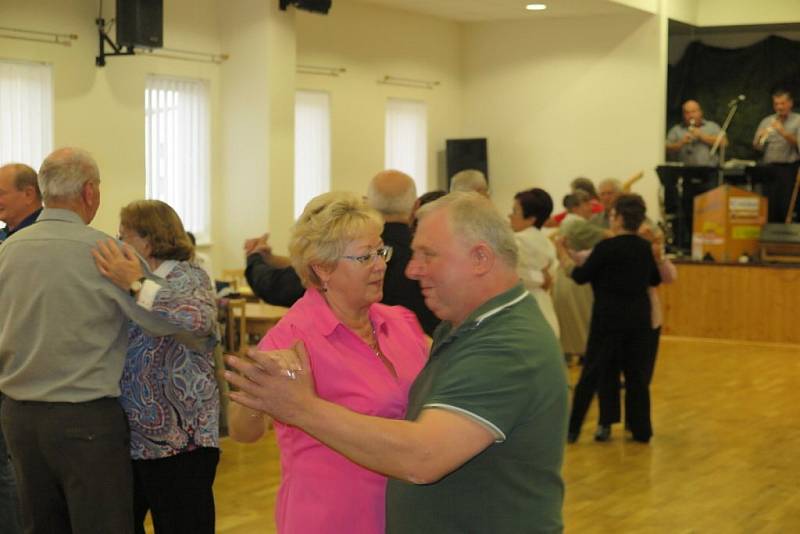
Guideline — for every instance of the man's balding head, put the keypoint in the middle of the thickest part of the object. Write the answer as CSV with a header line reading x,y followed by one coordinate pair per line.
x,y
392,193
469,180
609,189
464,253
692,113
19,193
69,179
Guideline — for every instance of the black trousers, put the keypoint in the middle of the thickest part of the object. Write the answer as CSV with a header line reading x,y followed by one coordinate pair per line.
x,y
652,353
607,351
72,464
177,491
9,507
778,190
608,393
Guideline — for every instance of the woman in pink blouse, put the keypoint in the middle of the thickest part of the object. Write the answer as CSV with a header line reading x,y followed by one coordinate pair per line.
x,y
364,356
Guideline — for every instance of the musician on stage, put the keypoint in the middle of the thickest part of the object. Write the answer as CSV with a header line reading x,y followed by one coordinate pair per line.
x,y
690,141
776,137
777,134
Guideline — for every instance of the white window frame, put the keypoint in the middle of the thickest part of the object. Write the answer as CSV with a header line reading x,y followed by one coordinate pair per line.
x,y
312,146
406,140
26,112
177,149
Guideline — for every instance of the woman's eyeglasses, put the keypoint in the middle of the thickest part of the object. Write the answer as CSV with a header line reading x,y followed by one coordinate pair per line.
x,y
385,253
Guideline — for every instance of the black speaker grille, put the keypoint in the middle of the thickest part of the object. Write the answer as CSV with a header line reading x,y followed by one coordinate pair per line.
x,y
467,154
140,23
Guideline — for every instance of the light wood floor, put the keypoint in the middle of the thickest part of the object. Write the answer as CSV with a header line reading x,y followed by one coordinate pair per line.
x,y
725,457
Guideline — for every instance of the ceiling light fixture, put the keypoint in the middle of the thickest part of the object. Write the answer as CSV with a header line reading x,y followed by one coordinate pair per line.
x,y
536,7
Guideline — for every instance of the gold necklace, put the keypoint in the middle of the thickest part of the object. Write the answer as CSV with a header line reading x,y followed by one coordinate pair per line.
x,y
376,348
370,338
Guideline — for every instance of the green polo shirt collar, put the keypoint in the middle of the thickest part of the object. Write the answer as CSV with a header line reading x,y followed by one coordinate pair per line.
x,y
494,305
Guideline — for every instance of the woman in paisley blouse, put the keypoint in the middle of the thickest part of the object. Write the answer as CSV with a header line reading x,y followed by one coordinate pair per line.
x,y
169,391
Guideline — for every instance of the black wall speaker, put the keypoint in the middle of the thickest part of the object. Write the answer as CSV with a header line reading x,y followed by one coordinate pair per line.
x,y
315,6
466,154
140,23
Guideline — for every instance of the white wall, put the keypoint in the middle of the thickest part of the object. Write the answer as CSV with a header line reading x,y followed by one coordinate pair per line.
x,y
281,76
742,12
682,10
371,42
256,120
102,109
567,97
648,6
724,12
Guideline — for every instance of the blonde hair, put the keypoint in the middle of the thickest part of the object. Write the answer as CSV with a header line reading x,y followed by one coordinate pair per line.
x,y
161,226
474,218
327,225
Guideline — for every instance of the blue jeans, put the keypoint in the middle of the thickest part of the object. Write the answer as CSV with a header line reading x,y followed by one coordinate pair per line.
x,y
9,517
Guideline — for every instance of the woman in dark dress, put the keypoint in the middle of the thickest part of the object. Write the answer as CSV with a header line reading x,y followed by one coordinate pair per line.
x,y
620,270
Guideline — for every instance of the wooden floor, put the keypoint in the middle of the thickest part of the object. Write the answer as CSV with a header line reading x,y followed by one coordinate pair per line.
x,y
725,457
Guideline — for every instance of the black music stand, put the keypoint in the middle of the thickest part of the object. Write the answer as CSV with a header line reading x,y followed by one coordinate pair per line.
x,y
681,183
776,181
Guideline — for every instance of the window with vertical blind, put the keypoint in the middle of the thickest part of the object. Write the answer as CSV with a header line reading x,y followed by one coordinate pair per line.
x,y
312,147
177,149
407,139
26,112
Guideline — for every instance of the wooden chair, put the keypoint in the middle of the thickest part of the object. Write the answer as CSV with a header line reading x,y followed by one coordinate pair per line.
x,y
236,327
235,277
222,384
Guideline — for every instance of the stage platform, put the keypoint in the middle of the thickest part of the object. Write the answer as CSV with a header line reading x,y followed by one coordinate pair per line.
x,y
753,302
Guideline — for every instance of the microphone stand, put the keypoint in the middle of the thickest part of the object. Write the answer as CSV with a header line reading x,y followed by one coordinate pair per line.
x,y
733,108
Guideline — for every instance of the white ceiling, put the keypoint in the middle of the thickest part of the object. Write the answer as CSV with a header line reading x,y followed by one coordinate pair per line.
x,y
481,10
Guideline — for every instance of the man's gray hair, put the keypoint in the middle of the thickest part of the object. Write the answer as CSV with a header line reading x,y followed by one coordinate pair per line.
x,y
573,200
474,218
469,180
63,173
615,184
395,197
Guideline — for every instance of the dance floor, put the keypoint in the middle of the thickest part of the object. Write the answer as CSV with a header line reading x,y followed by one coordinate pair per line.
x,y
724,457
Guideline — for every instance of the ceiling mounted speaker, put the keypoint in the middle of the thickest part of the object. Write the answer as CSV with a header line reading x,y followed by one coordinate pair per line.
x,y
140,23
463,154
315,6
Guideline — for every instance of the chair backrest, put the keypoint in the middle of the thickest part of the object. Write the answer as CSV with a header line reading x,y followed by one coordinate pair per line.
x,y
235,277
236,326
224,389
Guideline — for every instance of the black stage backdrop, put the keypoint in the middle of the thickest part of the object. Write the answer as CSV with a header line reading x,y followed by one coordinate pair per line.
x,y
714,76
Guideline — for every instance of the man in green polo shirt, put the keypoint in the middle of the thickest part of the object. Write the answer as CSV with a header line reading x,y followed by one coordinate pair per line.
x,y
483,442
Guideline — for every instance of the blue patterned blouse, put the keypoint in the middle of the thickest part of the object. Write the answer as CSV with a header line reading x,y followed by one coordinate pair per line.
x,y
169,391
